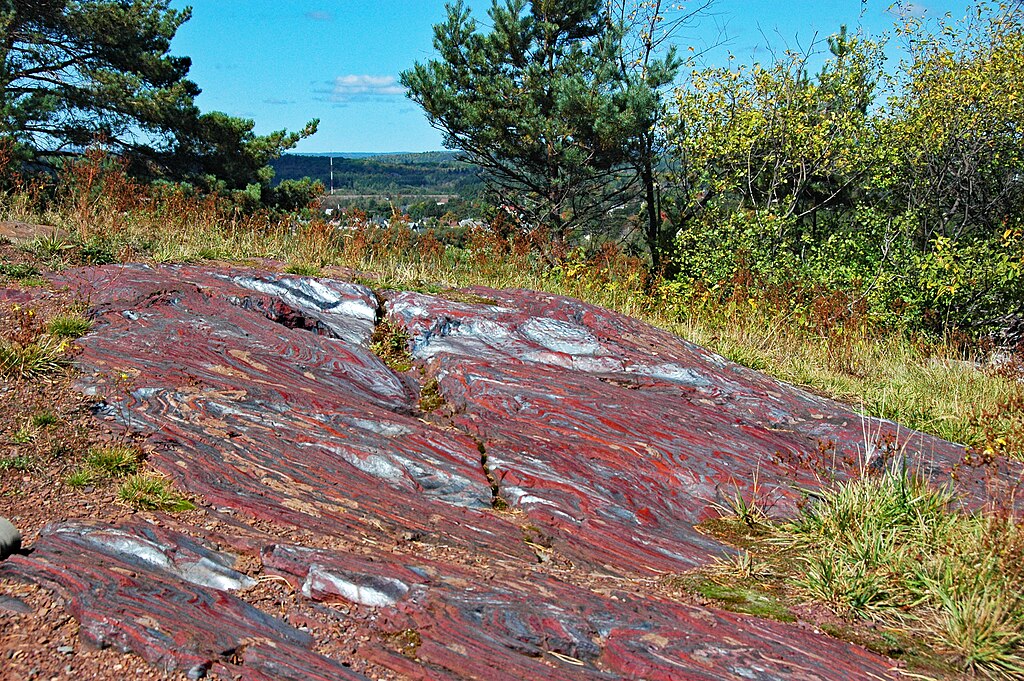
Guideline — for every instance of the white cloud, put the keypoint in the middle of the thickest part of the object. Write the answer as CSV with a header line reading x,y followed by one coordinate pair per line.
x,y
346,87
319,15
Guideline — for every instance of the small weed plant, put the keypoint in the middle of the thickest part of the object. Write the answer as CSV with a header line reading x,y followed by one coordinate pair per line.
x,y
51,248
18,271
431,398
23,436
390,342
20,463
26,349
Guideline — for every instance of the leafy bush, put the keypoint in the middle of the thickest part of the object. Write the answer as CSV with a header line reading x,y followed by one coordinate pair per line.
x,y
901,190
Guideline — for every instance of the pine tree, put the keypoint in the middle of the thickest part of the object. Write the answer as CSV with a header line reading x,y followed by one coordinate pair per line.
x,y
539,104
74,73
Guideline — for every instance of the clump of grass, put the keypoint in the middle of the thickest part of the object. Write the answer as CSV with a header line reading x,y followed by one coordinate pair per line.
x,y
114,461
18,271
22,436
893,550
42,356
81,478
51,248
145,491
69,326
431,398
210,253
19,463
42,419
303,269
139,489
752,512
390,342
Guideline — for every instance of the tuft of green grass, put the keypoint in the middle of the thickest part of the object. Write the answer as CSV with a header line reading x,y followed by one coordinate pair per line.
x,y
23,436
390,342
210,253
50,247
18,271
42,419
80,478
69,326
19,463
42,356
145,491
303,269
113,460
895,551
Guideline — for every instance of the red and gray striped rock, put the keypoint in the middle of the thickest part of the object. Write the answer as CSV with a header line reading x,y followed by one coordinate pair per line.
x,y
617,438
167,598
532,626
258,393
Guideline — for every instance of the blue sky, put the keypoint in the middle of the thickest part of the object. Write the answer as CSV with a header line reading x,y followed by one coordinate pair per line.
x,y
283,63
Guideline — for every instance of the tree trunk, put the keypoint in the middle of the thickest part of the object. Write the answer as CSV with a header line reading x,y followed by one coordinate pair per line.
x,y
653,216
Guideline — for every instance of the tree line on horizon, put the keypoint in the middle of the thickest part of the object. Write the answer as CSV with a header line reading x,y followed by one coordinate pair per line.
x,y
405,174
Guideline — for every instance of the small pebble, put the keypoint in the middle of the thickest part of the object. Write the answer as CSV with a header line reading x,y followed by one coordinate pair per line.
x,y
197,672
16,605
66,650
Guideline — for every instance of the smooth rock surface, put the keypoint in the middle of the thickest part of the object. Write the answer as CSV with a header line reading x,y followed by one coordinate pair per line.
x,y
609,440
10,538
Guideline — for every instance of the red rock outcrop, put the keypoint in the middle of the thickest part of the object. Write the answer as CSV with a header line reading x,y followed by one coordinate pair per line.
x,y
607,440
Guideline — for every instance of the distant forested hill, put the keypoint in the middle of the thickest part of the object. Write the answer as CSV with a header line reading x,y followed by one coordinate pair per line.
x,y
430,173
